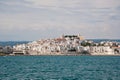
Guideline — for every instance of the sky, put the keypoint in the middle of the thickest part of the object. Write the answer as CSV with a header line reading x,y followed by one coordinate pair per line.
x,y
30,20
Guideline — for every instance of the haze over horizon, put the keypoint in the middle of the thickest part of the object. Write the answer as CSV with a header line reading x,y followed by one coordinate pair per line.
x,y
30,20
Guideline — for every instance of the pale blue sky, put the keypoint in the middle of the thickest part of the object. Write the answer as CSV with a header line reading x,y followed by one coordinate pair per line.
x,y
36,19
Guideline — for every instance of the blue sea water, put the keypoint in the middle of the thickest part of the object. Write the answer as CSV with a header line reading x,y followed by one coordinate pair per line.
x,y
12,43
59,67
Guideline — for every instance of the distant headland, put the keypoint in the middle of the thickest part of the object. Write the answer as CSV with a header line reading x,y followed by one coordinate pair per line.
x,y
63,45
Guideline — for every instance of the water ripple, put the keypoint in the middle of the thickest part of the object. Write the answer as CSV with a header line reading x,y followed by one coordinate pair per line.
x,y
60,68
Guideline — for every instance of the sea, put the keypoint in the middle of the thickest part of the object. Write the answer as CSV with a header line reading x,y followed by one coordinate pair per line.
x,y
59,67
12,43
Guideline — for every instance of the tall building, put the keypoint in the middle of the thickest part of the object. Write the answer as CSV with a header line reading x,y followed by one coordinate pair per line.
x,y
73,37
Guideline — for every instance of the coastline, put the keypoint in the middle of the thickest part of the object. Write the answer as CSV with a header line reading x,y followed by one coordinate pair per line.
x,y
64,45
63,55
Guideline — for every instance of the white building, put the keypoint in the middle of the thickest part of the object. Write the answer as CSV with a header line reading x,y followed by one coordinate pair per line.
x,y
101,50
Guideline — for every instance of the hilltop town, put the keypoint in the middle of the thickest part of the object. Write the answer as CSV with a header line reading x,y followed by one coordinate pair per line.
x,y
65,45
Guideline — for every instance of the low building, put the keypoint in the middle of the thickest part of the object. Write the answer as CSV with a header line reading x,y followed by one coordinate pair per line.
x,y
116,50
101,50
1,49
7,49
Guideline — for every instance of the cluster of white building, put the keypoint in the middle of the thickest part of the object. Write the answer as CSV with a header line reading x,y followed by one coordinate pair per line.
x,y
64,45
59,46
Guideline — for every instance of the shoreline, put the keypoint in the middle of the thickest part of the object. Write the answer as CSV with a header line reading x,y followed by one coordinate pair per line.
x,y
65,55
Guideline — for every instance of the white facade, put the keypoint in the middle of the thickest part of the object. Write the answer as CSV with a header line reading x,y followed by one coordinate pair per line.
x,y
101,50
64,45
